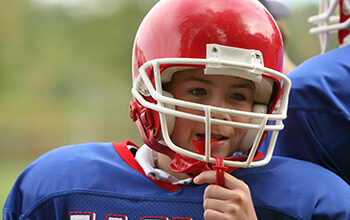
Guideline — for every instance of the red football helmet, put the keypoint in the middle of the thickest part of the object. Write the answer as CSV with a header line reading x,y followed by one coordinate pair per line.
x,y
226,37
329,23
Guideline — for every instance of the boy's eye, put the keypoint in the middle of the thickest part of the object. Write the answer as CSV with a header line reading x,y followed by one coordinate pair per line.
x,y
198,91
238,97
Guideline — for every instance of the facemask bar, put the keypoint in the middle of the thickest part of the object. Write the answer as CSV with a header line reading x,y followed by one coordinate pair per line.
x,y
143,87
327,23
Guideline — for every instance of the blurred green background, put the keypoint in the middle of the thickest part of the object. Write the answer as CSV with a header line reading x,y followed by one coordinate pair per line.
x,y
65,74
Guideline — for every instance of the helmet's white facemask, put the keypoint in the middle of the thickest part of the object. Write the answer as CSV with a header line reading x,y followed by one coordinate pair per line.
x,y
328,22
220,60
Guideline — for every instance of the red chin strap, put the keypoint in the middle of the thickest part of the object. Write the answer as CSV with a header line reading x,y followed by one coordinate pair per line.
x,y
193,167
188,165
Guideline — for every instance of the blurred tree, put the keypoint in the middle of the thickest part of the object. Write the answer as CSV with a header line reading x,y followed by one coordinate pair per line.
x,y
65,74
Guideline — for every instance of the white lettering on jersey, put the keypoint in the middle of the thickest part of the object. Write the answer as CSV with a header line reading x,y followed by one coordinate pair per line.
x,y
92,216
82,216
153,218
116,217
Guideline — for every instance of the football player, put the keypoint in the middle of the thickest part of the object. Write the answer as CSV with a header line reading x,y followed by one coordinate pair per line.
x,y
206,80
318,127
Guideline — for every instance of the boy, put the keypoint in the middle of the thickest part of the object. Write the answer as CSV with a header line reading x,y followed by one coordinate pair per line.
x,y
206,80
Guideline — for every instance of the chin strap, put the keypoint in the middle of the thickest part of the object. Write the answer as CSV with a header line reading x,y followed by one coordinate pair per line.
x,y
193,167
188,165
221,168
220,171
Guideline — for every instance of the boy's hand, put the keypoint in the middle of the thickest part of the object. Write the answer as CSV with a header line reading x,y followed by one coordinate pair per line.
x,y
230,202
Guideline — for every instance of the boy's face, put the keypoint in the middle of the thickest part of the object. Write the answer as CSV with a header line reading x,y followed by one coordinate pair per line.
x,y
215,90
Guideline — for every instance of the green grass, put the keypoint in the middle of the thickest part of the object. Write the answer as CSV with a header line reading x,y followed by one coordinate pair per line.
x,y
9,171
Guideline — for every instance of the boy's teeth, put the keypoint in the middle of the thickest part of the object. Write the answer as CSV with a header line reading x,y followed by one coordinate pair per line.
x,y
215,138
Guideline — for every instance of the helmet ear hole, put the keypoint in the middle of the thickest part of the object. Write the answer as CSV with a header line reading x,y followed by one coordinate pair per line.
x,y
250,135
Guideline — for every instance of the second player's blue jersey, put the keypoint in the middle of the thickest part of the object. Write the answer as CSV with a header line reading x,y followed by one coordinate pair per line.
x,y
104,181
318,125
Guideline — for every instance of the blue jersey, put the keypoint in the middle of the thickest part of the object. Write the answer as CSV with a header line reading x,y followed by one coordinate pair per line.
x,y
318,125
104,181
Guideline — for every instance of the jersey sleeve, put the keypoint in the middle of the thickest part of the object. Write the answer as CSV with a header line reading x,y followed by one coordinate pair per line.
x,y
69,167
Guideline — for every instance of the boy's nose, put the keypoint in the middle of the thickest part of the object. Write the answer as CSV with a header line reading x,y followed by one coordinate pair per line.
x,y
220,116
217,102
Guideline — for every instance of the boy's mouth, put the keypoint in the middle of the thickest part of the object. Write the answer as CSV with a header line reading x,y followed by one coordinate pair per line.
x,y
213,136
